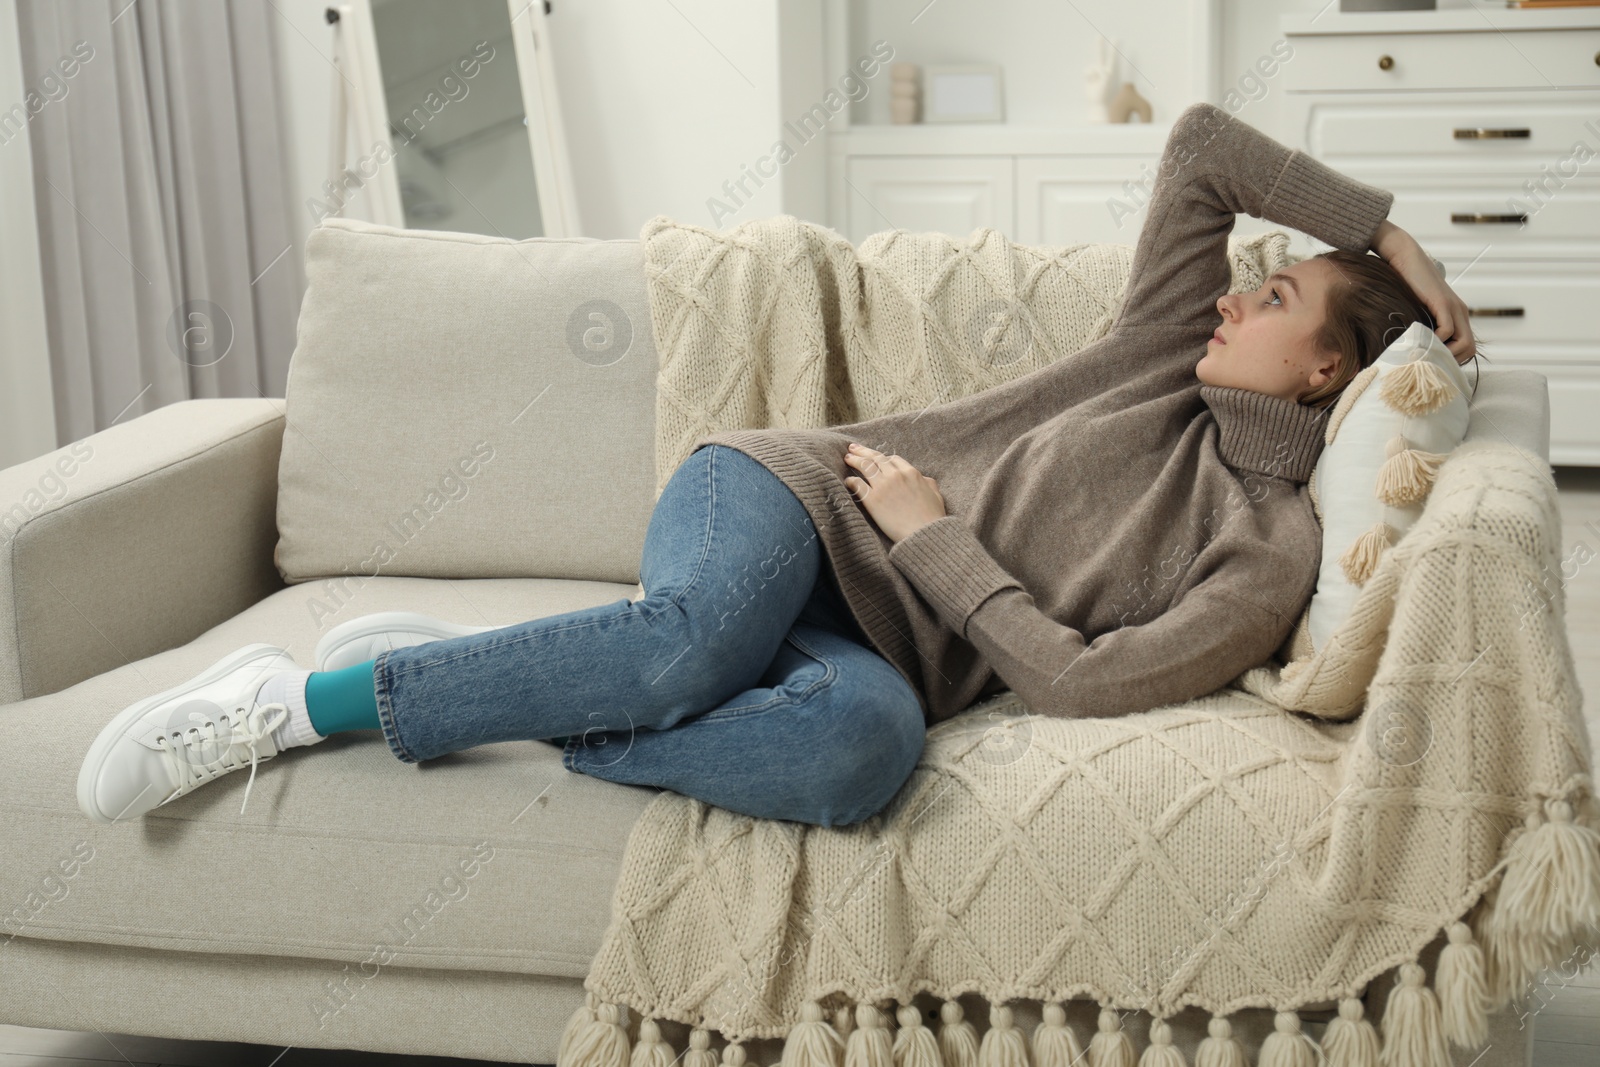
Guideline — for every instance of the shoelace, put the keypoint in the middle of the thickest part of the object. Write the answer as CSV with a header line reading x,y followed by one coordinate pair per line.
x,y
246,729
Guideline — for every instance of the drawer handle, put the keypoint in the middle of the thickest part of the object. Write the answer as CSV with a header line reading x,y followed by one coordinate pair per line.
x,y
1495,313
1479,133
1469,216
1385,62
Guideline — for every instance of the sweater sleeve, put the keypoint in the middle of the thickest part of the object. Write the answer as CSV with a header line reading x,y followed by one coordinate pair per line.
x,y
1216,631
1214,167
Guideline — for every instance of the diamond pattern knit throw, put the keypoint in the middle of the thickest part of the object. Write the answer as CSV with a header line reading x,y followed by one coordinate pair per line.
x,y
1277,844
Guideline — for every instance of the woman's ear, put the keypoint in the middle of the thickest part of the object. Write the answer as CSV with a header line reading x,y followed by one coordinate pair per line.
x,y
1324,369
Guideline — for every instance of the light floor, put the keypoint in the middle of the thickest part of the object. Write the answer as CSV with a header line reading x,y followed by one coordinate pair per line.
x,y
1565,1015
1567,1027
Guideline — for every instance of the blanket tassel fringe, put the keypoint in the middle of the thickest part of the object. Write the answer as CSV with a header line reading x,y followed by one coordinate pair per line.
x,y
1547,897
1350,1039
1110,1046
1219,1048
1288,1045
1416,1026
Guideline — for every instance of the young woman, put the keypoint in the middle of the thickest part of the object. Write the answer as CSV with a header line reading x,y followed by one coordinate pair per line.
x,y
1124,527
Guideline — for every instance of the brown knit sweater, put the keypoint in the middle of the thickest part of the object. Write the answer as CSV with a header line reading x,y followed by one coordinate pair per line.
x,y
1120,536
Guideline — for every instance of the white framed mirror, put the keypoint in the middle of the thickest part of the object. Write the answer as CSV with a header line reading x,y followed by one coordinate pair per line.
x,y
450,116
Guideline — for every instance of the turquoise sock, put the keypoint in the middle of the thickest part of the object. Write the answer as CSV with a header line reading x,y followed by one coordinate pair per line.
x,y
343,700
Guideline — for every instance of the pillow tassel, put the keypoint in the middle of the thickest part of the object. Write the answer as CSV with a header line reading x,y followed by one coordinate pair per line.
x,y
1416,388
1463,999
1408,473
1110,1046
651,1050
1350,1039
1412,1034
1054,1043
1361,558
1220,1048
914,1044
1161,1052
1003,1044
958,1041
870,1044
811,1042
733,1054
1288,1045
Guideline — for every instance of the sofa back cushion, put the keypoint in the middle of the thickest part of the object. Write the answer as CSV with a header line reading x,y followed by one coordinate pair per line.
x,y
462,406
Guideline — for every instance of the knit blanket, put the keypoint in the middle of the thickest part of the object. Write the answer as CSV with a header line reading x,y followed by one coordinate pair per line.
x,y
1277,844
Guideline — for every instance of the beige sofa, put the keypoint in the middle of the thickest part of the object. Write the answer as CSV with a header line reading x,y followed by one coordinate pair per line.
x,y
451,907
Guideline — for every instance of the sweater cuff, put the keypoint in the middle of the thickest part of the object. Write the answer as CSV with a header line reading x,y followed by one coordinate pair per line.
x,y
1332,207
951,569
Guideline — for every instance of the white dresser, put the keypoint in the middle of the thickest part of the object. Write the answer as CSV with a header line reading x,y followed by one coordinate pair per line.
x,y
1486,126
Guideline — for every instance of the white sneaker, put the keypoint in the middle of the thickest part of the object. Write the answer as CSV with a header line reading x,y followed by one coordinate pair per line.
x,y
368,636
170,744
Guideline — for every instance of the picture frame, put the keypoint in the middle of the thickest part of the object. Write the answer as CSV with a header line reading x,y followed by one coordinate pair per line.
x,y
962,92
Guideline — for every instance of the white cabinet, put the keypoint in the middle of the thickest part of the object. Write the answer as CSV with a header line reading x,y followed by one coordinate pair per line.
x,y
948,194
1049,200
1067,200
1574,399
1489,137
1057,186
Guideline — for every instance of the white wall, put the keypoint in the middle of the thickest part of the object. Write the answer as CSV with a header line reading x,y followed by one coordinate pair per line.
x,y
804,80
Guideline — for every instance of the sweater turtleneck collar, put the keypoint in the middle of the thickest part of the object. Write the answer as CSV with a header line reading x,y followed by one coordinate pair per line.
x,y
1266,434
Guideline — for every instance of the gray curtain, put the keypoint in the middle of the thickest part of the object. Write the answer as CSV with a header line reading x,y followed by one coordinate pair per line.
x,y
164,210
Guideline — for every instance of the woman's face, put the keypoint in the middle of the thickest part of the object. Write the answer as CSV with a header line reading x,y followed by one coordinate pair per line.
x,y
1264,341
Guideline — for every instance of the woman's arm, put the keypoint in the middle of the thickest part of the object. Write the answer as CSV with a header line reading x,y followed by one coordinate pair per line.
x,y
1215,167
1449,311
1235,618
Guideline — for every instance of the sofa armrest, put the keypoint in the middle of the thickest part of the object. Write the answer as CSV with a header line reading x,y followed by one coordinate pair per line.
x,y
1512,404
136,539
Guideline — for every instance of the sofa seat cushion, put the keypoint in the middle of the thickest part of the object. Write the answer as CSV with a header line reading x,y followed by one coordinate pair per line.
x,y
493,858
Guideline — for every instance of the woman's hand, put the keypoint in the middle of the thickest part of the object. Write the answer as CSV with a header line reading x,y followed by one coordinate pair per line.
x,y
898,498
1452,324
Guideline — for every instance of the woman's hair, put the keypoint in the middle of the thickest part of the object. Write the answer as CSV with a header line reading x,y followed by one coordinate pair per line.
x,y
1369,306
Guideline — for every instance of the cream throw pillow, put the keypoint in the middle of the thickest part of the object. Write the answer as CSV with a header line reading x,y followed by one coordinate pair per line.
x,y
463,406
1391,428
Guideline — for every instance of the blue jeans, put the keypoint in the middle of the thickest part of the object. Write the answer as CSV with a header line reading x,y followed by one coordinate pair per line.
x,y
740,678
